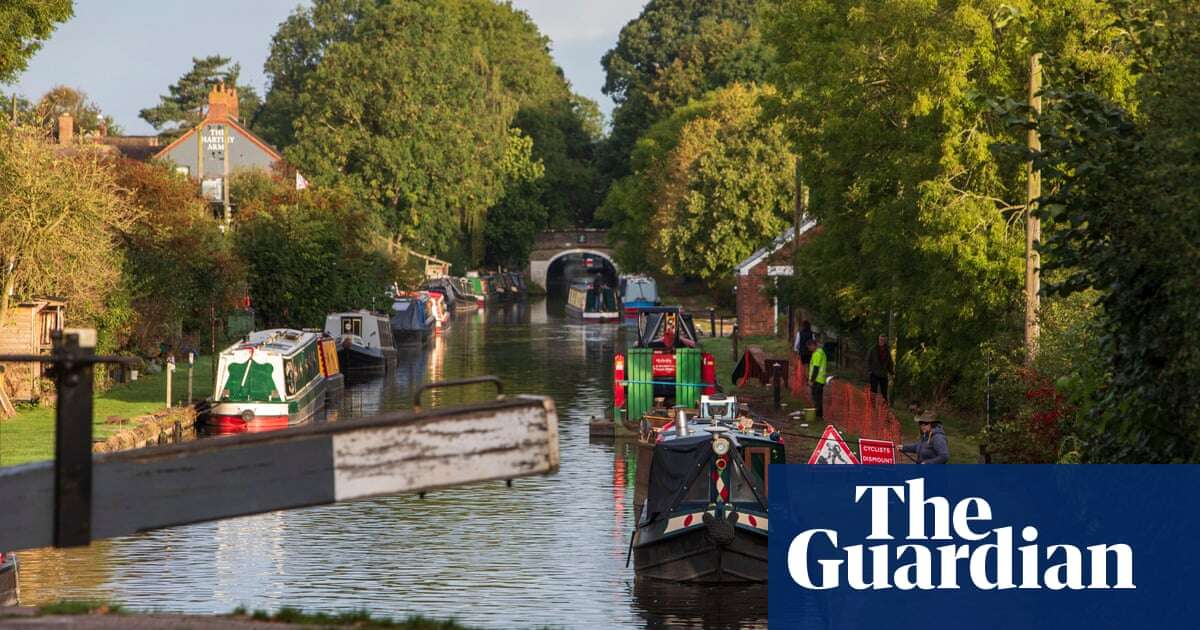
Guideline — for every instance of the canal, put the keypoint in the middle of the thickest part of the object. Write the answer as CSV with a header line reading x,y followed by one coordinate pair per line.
x,y
548,551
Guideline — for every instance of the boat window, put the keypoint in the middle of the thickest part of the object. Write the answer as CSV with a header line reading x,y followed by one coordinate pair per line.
x,y
352,326
385,336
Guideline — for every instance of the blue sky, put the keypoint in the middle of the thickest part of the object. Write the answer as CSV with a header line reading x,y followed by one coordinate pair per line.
x,y
124,53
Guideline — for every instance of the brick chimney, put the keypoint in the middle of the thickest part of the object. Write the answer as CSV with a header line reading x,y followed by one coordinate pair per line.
x,y
222,103
66,128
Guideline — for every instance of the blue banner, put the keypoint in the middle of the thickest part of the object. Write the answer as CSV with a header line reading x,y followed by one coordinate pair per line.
x,y
893,547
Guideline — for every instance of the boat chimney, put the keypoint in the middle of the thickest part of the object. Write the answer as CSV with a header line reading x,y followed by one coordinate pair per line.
x,y
681,422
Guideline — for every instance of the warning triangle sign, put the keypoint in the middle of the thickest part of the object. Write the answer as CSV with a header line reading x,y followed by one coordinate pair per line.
x,y
832,449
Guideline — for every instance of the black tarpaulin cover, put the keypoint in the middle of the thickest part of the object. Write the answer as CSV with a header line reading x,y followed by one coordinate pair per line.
x,y
673,470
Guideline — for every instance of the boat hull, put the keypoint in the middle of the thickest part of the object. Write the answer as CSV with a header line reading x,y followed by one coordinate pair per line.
x,y
695,556
9,593
227,418
593,317
411,336
359,362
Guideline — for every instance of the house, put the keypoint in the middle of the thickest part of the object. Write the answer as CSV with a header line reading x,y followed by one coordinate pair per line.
x,y
26,330
218,147
757,312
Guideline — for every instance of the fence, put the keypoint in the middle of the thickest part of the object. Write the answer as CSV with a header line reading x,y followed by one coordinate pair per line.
x,y
852,409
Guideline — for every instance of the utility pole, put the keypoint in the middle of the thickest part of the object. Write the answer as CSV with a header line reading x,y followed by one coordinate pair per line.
x,y
1033,225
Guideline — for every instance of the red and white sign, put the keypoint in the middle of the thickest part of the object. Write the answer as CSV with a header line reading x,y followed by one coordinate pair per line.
x,y
832,449
662,365
876,451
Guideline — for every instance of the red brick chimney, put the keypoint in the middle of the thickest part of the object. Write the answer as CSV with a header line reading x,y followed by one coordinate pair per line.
x,y
222,103
66,128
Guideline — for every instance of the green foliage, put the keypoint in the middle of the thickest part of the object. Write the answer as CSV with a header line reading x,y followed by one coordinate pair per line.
x,y
711,183
513,224
182,107
1122,218
920,216
307,253
26,23
424,155
675,51
86,114
179,267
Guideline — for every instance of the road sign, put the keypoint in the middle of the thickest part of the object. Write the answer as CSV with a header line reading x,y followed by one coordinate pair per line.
x,y
876,451
832,449
317,464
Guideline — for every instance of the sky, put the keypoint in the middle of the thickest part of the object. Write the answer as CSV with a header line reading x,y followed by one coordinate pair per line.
x,y
124,53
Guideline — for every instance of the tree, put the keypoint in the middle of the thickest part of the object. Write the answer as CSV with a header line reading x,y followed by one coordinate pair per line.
x,y
728,186
182,107
921,217
1122,219
88,118
61,215
26,23
677,50
711,183
425,155
513,224
307,253
563,126
178,264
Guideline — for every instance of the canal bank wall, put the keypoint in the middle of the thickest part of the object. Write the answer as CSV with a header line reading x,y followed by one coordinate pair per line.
x,y
167,426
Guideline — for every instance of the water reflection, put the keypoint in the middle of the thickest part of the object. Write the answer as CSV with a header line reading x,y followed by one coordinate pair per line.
x,y
548,551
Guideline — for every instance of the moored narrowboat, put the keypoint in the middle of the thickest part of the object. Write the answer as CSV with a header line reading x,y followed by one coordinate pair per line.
x,y
270,380
365,346
475,287
702,502
412,318
664,367
593,302
638,292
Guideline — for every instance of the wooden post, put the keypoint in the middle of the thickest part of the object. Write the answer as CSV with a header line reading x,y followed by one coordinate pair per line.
x,y
191,367
776,382
73,437
1033,225
169,366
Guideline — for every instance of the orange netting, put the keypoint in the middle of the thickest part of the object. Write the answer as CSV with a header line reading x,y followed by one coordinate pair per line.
x,y
853,410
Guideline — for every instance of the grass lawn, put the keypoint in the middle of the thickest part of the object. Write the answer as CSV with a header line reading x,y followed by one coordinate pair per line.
x,y
962,431
29,436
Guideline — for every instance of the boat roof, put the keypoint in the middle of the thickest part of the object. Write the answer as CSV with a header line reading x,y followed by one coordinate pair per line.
x,y
281,341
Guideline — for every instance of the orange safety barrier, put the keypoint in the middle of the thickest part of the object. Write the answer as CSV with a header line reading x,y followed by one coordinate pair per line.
x,y
852,409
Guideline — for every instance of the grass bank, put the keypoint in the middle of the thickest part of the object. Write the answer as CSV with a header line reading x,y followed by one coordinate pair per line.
x,y
29,436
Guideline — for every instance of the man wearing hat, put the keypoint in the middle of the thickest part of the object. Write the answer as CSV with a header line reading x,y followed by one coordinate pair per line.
x,y
932,447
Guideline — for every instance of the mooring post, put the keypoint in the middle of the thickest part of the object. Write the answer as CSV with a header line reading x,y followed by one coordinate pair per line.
x,y
775,381
712,322
191,366
735,344
73,356
170,368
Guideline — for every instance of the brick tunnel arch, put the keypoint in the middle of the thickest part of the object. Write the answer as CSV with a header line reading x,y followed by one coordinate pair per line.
x,y
540,269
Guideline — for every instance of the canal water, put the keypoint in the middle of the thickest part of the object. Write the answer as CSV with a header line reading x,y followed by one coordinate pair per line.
x,y
549,551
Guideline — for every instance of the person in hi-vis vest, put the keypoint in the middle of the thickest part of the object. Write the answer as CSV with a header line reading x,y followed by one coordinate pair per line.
x,y
818,375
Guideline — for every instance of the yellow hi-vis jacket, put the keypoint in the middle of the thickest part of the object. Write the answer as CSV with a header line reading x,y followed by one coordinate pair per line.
x,y
817,368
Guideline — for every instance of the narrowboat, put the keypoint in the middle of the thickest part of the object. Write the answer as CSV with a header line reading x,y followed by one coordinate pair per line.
x,y
331,369
9,592
412,317
475,287
516,284
638,292
364,339
451,289
501,287
441,314
270,380
593,302
664,367
700,501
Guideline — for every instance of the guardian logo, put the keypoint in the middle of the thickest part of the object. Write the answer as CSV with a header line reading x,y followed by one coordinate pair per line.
x,y
983,547
988,558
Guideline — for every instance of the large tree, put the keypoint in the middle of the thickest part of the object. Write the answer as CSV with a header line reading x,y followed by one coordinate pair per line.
x,y
1122,220
61,215
674,51
25,24
182,107
410,115
67,100
922,217
712,182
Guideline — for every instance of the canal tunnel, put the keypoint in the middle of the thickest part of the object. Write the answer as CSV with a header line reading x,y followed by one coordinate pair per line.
x,y
578,266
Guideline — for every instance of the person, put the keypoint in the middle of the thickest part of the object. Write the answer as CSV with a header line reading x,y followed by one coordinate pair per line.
x,y
880,367
818,375
932,447
803,336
